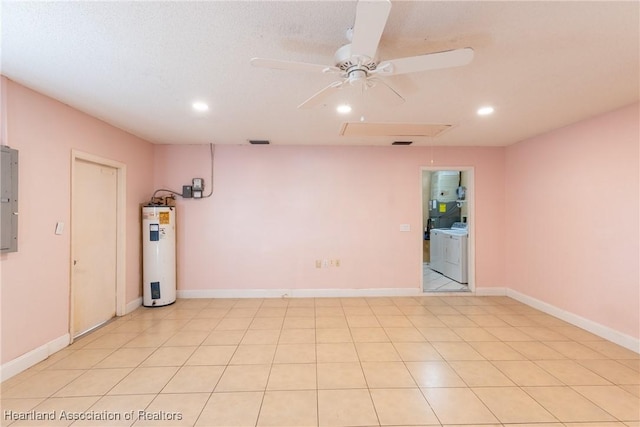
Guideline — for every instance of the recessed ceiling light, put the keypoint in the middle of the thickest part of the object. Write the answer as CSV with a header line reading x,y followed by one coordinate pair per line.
x,y
343,109
485,111
200,106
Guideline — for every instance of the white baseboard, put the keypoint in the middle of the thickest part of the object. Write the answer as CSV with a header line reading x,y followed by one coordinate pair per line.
x,y
298,293
27,360
493,292
598,329
132,305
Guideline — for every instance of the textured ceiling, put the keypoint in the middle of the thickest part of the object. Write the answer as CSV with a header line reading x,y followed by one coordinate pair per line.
x,y
140,65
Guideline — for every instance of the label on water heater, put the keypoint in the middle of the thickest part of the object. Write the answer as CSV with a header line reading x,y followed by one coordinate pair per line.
x,y
164,217
154,232
155,290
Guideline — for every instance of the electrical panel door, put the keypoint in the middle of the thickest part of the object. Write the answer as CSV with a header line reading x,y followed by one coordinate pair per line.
x,y
8,199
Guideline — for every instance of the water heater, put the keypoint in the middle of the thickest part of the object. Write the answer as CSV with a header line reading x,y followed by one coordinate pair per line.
x,y
158,255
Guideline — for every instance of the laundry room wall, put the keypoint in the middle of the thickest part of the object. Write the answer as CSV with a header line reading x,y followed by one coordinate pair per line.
x,y
35,280
275,210
572,219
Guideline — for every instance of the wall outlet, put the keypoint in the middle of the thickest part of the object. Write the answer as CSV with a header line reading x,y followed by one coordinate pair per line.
x,y
405,227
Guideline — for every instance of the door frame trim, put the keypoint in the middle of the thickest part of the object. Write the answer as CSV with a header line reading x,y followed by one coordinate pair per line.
x,y
471,220
121,221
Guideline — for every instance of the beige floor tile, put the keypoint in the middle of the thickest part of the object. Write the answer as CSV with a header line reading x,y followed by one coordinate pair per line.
x,y
212,313
118,410
474,334
297,376
295,353
289,408
354,302
94,382
340,375
456,320
297,336
258,354
633,389
234,324
480,374
271,312
458,406
329,311
402,407
571,372
439,334
169,356
542,333
508,334
425,321
241,312
575,333
194,379
512,405
336,352
244,378
567,405
212,355
486,320
301,312
574,350
526,373
612,350
329,335
112,340
126,358
404,335
434,374
83,359
613,371
457,351
186,338
175,409
534,350
346,408
224,338
615,400
332,322
387,375
57,406
149,340
43,384
386,310
376,352
357,311
598,424
231,410
253,336
363,322
262,323
495,350
12,409
299,322
395,322
144,380
416,351
369,335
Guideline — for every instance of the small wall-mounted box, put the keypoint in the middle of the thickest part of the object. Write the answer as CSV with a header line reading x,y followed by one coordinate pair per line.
x,y
8,199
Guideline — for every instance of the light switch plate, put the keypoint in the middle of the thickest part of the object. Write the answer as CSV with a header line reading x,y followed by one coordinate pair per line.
x,y
405,227
59,228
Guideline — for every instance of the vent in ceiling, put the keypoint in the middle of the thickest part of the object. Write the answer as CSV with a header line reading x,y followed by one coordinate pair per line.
x,y
402,143
259,141
392,129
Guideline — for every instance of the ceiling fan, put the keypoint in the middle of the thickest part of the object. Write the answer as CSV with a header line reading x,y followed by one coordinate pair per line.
x,y
356,63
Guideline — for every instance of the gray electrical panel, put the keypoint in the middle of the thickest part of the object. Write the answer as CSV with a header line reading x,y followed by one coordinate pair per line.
x,y
8,199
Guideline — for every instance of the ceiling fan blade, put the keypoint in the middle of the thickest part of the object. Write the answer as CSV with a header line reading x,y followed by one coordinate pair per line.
x,y
319,97
293,66
430,61
384,93
371,17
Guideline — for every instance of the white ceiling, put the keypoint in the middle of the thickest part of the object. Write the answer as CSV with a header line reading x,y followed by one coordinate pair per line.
x,y
140,65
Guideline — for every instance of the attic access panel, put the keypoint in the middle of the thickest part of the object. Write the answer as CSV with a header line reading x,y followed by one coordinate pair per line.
x,y
8,199
363,129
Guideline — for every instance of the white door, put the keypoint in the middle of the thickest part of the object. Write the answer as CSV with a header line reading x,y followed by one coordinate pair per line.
x,y
94,230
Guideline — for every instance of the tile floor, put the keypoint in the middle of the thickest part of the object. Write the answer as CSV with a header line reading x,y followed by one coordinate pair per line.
x,y
432,281
412,361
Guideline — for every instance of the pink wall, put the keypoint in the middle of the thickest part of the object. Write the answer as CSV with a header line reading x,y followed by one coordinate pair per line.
x,y
35,280
572,219
276,209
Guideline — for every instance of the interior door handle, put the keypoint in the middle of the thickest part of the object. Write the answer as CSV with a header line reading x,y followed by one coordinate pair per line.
x,y
75,261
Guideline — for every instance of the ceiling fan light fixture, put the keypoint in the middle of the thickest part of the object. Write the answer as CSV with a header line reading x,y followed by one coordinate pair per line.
x,y
344,109
487,110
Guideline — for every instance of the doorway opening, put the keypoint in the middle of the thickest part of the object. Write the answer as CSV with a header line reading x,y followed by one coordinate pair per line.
x,y
448,254
98,207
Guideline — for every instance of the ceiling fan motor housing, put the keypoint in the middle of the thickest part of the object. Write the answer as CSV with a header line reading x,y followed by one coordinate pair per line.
x,y
356,67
